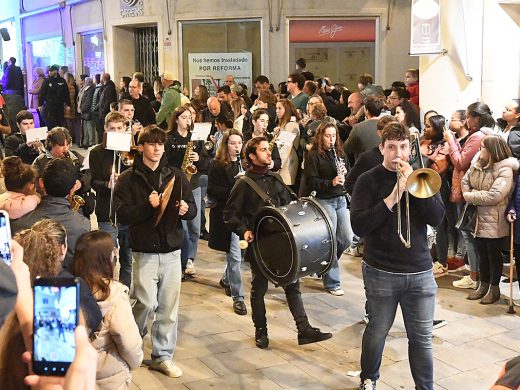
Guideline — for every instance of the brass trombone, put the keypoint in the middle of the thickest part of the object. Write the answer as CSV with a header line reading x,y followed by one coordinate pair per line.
x,y
422,183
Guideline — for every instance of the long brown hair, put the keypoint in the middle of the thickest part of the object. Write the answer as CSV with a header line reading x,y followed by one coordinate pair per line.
x,y
319,144
497,149
222,154
93,262
17,174
176,114
290,110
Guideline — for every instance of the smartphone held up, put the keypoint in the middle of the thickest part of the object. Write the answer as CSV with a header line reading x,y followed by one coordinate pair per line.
x,y
56,305
5,237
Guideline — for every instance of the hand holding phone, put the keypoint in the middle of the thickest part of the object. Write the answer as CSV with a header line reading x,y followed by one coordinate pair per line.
x,y
5,237
55,316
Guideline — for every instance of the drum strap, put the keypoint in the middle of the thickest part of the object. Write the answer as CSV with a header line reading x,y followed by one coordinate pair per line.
x,y
261,193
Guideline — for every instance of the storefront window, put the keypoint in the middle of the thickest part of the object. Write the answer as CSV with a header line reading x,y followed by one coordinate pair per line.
x,y
340,49
46,52
8,49
92,52
232,47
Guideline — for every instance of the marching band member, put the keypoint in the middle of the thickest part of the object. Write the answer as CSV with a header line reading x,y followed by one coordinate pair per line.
x,y
393,274
104,176
222,172
176,150
144,199
16,144
260,121
325,172
240,212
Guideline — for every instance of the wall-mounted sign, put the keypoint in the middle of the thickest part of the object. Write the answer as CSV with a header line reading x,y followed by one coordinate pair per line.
x,y
131,8
330,30
210,69
425,37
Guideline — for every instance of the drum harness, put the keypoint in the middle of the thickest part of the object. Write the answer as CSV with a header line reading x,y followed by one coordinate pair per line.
x,y
261,193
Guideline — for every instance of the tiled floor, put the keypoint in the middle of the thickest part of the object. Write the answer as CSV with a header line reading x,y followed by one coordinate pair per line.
x,y
216,350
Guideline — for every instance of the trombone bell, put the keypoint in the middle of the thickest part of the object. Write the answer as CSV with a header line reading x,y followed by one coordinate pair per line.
x,y
423,183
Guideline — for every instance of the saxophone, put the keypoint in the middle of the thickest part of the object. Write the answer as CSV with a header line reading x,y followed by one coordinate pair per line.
x,y
187,165
76,202
274,139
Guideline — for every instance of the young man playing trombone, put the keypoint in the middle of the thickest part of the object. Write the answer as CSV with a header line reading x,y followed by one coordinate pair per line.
x,y
396,271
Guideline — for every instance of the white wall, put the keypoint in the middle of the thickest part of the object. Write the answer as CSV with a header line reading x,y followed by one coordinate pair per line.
x,y
482,63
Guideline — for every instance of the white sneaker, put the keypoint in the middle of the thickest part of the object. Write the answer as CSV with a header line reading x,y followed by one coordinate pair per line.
x,y
168,368
338,292
190,268
465,282
439,270
353,251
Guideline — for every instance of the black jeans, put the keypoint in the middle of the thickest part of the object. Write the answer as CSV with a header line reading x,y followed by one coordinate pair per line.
x,y
490,259
259,286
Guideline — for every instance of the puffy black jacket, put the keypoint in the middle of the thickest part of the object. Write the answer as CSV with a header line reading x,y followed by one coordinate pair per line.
x,y
133,208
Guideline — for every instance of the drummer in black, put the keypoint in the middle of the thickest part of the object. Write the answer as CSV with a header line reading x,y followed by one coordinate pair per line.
x,y
243,206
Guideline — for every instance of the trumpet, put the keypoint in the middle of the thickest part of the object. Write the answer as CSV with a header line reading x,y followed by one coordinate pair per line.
x,y
76,202
127,158
209,145
422,183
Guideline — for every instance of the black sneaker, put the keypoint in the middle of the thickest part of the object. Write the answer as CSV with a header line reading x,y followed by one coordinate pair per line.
x,y
240,308
204,235
312,335
261,338
439,323
226,287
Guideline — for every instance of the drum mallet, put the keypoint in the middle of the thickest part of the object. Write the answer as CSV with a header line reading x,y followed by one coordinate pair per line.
x,y
511,267
243,244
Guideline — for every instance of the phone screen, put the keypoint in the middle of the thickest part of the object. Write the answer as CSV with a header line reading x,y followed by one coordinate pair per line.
x,y
5,238
55,319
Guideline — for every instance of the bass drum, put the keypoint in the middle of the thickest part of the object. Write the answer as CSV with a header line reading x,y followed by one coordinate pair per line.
x,y
293,241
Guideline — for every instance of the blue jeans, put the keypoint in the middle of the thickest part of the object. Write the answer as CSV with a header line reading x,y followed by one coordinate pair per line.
x,y
203,182
232,275
157,289
471,250
416,295
121,236
339,215
191,233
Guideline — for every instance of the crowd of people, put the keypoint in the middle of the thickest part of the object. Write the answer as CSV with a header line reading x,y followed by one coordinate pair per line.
x,y
353,152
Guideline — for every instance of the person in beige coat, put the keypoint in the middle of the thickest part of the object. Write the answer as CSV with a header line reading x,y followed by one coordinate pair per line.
x,y
117,341
488,184
287,117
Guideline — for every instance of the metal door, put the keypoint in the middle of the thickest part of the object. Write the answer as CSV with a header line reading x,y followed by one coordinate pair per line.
x,y
146,52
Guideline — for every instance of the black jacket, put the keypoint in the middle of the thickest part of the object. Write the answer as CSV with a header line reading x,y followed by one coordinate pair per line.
x,y
319,171
86,104
221,179
16,145
144,112
54,95
133,208
101,162
513,141
365,162
107,96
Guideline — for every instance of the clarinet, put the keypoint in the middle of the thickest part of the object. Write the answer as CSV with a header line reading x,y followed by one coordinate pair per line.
x,y
341,169
240,168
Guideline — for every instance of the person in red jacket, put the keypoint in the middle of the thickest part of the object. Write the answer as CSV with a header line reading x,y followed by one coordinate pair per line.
x,y
411,79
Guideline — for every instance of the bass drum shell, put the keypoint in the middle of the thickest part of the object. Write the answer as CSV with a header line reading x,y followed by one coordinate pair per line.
x,y
293,241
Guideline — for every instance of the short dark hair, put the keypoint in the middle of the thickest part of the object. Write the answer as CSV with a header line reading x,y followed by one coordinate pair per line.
x,y
311,86
298,79
386,119
59,176
374,104
262,79
394,131
97,77
301,62
23,115
401,92
114,116
152,134
12,60
225,89
224,118
57,136
139,76
258,113
365,79
308,75
251,147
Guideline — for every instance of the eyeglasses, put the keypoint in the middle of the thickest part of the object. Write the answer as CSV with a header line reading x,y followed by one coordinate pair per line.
x,y
455,120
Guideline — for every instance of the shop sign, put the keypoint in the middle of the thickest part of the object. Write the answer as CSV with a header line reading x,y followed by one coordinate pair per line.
x,y
211,69
328,30
425,37
131,8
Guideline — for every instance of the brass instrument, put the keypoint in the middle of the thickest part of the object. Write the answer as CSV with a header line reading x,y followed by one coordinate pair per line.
x,y
209,145
127,158
274,139
76,202
422,183
240,168
187,166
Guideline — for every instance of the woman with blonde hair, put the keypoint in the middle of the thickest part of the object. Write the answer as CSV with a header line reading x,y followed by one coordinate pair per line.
x,y
488,185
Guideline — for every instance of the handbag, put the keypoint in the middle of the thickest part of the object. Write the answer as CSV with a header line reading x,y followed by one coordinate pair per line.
x,y
467,221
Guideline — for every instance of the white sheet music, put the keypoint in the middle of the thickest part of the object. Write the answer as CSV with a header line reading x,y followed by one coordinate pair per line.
x,y
120,142
201,131
36,134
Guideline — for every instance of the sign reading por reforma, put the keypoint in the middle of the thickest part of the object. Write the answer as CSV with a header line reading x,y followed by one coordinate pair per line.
x,y
425,37
131,8
211,69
